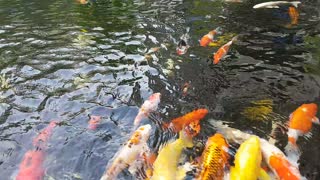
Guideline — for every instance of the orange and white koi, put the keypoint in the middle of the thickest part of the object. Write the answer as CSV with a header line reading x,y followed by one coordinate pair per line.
x,y
185,88
278,162
93,122
222,51
130,151
214,158
208,38
31,167
300,122
147,107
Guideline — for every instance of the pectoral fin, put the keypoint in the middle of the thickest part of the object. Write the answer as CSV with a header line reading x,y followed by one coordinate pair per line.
x,y
263,175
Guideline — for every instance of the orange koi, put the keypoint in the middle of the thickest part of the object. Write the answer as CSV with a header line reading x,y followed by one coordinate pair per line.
x,y
222,51
147,107
214,158
294,15
179,123
93,122
300,121
208,38
31,167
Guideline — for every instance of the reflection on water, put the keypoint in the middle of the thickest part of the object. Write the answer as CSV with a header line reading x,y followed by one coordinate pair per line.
x,y
64,61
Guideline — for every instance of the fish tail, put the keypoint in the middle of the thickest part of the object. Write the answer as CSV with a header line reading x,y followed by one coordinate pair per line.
x,y
218,30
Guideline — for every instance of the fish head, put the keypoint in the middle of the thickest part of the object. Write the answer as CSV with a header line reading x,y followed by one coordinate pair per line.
x,y
155,97
200,113
218,139
311,108
192,129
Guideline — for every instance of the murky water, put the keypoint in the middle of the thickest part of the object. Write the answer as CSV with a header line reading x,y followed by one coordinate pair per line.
x,y
64,61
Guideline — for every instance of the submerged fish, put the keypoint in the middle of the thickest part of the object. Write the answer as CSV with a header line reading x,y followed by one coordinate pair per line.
x,y
214,158
247,160
128,153
222,51
165,166
276,4
300,123
208,38
147,107
31,167
93,122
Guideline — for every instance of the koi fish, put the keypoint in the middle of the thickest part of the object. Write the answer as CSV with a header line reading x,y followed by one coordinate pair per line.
x,y
166,164
222,51
281,166
128,153
179,123
185,88
294,15
214,158
31,167
275,4
93,122
183,46
247,160
300,123
208,38
147,107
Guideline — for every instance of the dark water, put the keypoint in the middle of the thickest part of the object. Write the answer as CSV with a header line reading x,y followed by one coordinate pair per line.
x,y
64,61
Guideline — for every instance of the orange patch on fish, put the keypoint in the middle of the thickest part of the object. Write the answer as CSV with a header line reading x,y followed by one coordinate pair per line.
x,y
194,116
283,168
301,119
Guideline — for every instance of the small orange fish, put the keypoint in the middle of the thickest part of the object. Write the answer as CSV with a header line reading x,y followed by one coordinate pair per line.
x,y
222,51
301,121
93,122
294,15
214,158
179,123
208,38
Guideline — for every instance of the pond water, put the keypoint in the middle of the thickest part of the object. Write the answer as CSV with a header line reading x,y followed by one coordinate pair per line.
x,y
60,60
